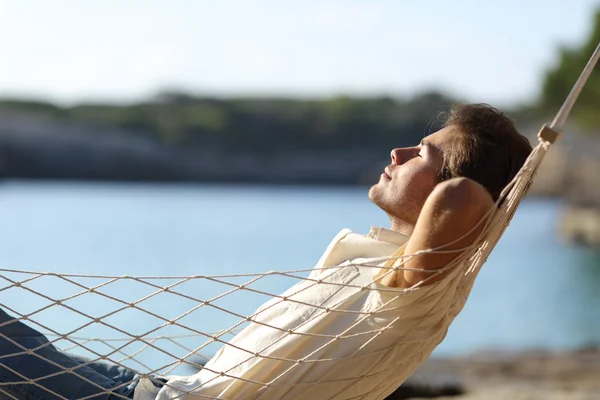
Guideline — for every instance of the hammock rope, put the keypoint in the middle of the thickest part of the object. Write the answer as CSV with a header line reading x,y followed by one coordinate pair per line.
x,y
181,348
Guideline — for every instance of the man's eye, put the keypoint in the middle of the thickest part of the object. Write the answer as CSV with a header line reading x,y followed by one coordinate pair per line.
x,y
418,154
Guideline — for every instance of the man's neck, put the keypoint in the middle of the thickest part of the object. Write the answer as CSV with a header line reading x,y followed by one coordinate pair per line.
x,y
401,226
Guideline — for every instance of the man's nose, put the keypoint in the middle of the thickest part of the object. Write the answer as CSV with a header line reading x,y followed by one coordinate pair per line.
x,y
396,156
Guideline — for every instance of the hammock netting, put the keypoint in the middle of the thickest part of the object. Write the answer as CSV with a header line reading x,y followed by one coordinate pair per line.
x,y
157,325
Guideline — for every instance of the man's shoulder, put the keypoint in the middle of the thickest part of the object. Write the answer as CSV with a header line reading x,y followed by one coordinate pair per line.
x,y
348,245
330,255
343,233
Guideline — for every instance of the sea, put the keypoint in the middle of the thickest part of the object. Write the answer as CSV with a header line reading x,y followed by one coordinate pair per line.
x,y
203,241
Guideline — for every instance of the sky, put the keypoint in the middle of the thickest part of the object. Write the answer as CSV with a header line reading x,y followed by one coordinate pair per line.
x,y
69,51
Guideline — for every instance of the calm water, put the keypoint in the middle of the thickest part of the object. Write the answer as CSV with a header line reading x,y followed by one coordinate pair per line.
x,y
533,292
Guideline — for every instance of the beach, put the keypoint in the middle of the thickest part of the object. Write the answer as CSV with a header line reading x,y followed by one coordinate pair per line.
x,y
531,375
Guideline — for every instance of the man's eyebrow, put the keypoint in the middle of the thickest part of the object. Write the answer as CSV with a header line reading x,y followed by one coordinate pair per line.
x,y
425,144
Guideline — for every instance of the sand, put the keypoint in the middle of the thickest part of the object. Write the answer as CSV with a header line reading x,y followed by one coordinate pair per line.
x,y
513,376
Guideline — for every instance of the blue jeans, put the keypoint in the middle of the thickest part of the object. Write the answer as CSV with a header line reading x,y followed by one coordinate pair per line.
x,y
69,385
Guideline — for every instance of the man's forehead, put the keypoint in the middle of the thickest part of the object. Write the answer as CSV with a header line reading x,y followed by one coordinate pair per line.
x,y
440,138
441,142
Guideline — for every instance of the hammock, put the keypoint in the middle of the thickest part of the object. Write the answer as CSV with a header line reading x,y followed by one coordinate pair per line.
x,y
174,308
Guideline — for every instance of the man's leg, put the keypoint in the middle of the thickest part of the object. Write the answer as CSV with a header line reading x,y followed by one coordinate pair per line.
x,y
114,372
119,374
42,366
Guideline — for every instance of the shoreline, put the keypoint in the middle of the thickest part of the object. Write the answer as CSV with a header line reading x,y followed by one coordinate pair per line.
x,y
532,375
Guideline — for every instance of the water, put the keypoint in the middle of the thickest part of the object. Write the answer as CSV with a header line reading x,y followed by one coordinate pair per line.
x,y
534,292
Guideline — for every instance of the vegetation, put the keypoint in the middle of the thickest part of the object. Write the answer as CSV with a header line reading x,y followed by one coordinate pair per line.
x,y
559,80
259,125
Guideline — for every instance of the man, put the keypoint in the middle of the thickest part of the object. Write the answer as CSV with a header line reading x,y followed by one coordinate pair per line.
x,y
374,307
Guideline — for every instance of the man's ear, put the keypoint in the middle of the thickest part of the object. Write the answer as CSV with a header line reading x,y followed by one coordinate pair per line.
x,y
444,174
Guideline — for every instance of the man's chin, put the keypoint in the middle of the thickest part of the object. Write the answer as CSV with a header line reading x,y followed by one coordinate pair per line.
x,y
375,195
371,193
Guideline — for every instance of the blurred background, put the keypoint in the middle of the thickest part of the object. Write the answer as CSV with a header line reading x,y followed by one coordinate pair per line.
x,y
209,138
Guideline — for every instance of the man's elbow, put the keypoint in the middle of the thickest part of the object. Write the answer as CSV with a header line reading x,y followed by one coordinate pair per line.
x,y
462,197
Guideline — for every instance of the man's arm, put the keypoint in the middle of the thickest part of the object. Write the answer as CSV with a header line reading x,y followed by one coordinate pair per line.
x,y
451,210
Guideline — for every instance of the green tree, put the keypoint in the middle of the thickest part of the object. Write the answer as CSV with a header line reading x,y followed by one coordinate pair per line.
x,y
560,78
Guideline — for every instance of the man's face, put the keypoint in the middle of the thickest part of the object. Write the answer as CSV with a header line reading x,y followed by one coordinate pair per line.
x,y
411,176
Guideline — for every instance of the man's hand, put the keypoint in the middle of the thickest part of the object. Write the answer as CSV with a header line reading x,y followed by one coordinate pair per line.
x,y
451,210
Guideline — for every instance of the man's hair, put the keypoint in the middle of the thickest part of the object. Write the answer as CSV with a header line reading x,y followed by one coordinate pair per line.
x,y
489,151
